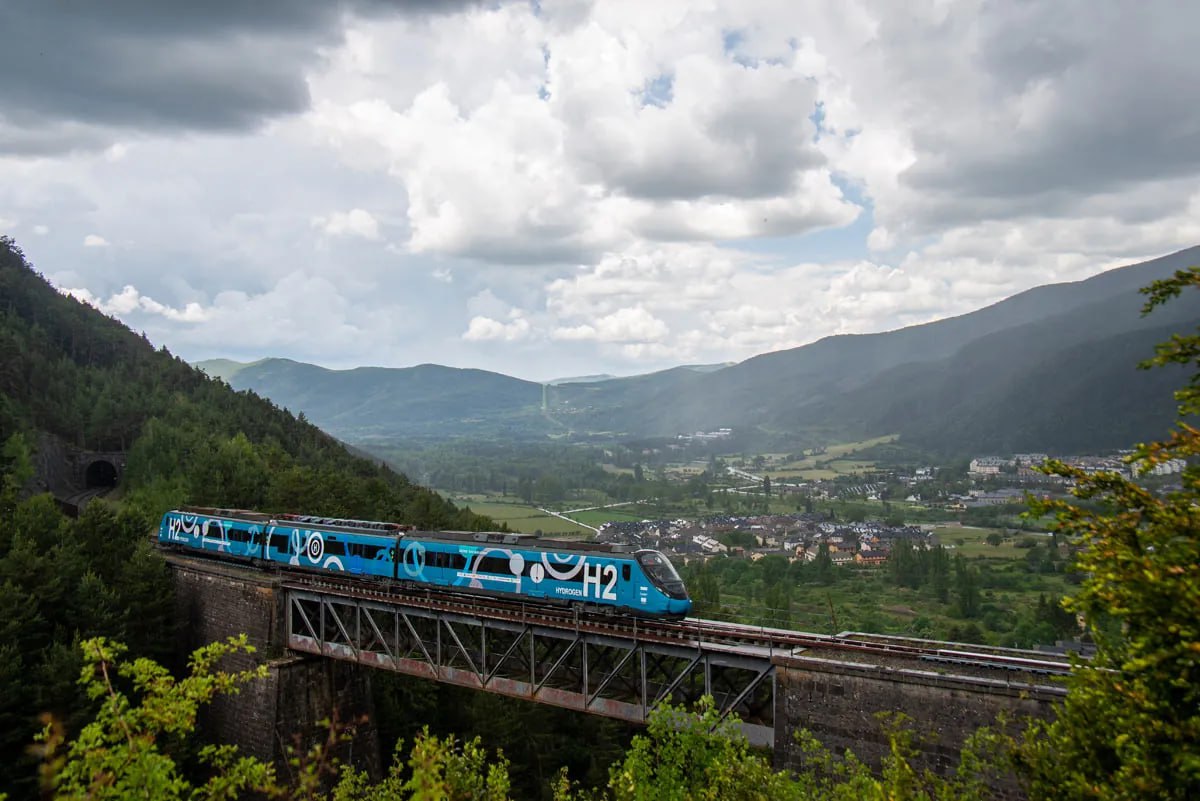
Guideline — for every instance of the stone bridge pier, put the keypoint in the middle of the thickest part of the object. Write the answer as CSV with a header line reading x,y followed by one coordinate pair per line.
x,y
271,717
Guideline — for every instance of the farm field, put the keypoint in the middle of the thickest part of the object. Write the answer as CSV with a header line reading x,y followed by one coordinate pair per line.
x,y
519,516
974,542
809,474
830,464
595,517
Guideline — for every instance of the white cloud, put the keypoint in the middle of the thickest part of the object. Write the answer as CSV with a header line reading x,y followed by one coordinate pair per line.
x,y
129,300
355,222
41,230
7,224
482,329
620,184
566,152
625,325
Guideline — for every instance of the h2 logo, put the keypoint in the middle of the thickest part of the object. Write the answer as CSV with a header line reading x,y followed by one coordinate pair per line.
x,y
594,575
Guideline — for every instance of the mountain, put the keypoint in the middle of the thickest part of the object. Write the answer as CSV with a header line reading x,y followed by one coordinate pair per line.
x,y
224,369
580,379
905,381
1051,368
371,403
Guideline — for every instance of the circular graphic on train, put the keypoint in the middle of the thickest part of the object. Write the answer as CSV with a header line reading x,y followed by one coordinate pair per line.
x,y
214,531
255,541
414,559
516,563
315,547
572,562
189,524
536,573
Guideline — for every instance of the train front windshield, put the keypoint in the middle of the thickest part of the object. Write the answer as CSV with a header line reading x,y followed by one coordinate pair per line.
x,y
660,571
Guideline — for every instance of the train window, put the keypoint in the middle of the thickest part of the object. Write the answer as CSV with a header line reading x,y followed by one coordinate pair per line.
x,y
625,572
449,561
280,542
332,546
494,564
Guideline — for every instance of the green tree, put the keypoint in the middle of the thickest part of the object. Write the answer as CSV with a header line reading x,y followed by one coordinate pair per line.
x,y
16,469
436,770
126,751
1130,725
823,564
685,756
145,719
705,590
966,581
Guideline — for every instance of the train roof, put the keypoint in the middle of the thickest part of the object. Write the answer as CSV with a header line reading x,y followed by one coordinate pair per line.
x,y
380,528
343,524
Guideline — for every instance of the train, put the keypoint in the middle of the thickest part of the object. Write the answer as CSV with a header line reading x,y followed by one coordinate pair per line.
x,y
605,577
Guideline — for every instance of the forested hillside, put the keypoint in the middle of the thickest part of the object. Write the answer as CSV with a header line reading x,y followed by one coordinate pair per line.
x,y
73,372
68,371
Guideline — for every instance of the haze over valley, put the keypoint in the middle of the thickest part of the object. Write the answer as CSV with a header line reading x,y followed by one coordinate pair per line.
x,y
1002,378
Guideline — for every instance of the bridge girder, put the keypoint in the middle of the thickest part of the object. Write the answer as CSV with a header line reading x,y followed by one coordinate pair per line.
x,y
615,675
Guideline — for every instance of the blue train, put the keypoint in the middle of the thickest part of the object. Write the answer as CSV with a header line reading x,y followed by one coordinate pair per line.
x,y
619,577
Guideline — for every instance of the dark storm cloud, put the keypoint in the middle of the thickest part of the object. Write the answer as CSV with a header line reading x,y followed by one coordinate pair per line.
x,y
1123,89
74,68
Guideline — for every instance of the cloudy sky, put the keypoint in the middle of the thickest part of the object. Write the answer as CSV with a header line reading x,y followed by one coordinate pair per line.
x,y
567,187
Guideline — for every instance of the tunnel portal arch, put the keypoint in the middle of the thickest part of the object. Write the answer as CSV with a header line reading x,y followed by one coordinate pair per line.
x,y
100,473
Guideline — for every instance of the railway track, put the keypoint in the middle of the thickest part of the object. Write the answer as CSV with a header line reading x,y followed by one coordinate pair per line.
x,y
931,654
76,503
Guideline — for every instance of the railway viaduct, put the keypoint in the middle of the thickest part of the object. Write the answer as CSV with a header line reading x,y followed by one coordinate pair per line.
x,y
322,640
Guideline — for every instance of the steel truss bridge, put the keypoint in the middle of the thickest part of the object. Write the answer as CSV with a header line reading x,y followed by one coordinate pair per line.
x,y
607,665
619,669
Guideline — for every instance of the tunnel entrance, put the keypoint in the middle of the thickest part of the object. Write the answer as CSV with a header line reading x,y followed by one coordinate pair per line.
x,y
100,474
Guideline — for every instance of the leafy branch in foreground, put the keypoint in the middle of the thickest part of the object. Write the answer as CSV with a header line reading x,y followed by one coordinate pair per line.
x,y
697,756
1130,726
146,716
126,751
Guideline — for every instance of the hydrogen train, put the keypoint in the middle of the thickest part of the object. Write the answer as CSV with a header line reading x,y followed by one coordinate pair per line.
x,y
620,578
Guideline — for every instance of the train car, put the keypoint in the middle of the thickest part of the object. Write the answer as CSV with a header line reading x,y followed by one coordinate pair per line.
x,y
617,577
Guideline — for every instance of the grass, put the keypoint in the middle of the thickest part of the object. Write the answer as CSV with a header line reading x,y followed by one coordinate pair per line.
x,y
811,474
528,519
835,452
594,517
837,460
848,466
864,600
520,516
974,542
